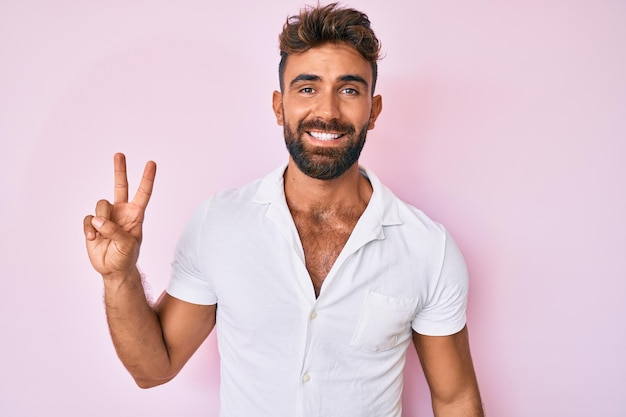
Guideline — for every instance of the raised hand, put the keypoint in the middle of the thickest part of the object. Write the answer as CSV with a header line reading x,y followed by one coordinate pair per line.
x,y
113,235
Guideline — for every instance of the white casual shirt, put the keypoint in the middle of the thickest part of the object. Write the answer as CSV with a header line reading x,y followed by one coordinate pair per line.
x,y
285,352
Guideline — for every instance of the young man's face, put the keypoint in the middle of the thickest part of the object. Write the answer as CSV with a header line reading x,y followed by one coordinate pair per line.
x,y
326,108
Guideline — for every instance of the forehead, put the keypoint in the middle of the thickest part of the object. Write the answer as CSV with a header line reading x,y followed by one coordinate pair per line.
x,y
328,61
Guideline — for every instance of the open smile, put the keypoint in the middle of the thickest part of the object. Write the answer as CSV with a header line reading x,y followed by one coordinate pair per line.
x,y
325,136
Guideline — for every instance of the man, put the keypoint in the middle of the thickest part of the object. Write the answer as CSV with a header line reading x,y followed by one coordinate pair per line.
x,y
322,276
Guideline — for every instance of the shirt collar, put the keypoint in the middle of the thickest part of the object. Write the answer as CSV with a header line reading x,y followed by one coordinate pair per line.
x,y
271,189
383,202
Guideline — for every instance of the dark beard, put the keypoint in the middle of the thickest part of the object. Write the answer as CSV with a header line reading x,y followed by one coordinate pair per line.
x,y
319,162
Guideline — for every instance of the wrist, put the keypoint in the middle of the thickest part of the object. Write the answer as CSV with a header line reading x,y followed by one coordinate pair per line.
x,y
117,277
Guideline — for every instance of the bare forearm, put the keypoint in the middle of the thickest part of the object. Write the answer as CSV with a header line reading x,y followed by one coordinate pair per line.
x,y
469,406
136,330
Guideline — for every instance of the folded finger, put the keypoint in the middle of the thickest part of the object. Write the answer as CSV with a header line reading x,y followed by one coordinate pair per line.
x,y
88,229
103,209
110,230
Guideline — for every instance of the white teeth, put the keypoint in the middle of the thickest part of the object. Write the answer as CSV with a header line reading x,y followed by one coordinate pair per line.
x,y
324,136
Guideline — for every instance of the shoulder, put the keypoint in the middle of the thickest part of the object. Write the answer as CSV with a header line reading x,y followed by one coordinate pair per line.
x,y
233,198
243,201
410,231
394,211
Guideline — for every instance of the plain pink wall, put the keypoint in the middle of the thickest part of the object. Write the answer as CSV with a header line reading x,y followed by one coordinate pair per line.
x,y
503,120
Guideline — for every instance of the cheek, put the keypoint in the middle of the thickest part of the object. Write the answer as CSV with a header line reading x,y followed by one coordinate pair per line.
x,y
359,114
295,108
292,118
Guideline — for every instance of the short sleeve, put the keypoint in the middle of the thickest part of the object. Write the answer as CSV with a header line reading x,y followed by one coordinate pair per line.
x,y
188,282
443,312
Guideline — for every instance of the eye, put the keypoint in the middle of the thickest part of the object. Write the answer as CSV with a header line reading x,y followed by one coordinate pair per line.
x,y
307,90
350,91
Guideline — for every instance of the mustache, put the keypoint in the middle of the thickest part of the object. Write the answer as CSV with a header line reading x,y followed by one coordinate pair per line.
x,y
332,126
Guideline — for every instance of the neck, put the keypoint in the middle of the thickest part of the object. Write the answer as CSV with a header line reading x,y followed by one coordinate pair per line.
x,y
351,190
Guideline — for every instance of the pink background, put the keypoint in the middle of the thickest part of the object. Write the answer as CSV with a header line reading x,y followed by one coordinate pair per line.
x,y
505,121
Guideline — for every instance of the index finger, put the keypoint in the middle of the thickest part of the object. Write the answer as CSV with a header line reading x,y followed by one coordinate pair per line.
x,y
142,197
120,193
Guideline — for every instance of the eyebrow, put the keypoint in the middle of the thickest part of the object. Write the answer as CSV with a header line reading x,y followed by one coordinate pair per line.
x,y
304,77
343,78
354,79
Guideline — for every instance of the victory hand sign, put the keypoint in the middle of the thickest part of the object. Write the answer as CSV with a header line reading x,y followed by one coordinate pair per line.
x,y
113,235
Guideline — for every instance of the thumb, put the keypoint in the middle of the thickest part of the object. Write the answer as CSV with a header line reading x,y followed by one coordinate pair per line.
x,y
115,251
97,222
109,229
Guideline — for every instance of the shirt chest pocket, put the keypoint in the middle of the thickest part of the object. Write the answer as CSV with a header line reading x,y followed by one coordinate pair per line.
x,y
385,322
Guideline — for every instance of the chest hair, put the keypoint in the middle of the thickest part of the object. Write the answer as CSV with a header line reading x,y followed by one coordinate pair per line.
x,y
323,235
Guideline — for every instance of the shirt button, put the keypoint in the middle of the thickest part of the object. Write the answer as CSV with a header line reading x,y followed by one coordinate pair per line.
x,y
306,378
313,315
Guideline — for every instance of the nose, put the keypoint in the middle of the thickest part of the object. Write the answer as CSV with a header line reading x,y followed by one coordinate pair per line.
x,y
328,107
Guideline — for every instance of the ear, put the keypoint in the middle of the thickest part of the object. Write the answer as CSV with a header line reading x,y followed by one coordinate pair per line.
x,y
377,107
277,105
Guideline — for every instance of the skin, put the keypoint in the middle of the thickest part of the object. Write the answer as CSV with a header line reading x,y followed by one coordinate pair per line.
x,y
320,85
449,371
153,342
329,82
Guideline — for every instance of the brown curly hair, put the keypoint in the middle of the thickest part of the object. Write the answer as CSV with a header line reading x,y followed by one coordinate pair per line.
x,y
315,26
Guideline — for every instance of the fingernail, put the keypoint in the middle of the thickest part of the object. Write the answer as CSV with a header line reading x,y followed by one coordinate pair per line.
x,y
97,222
